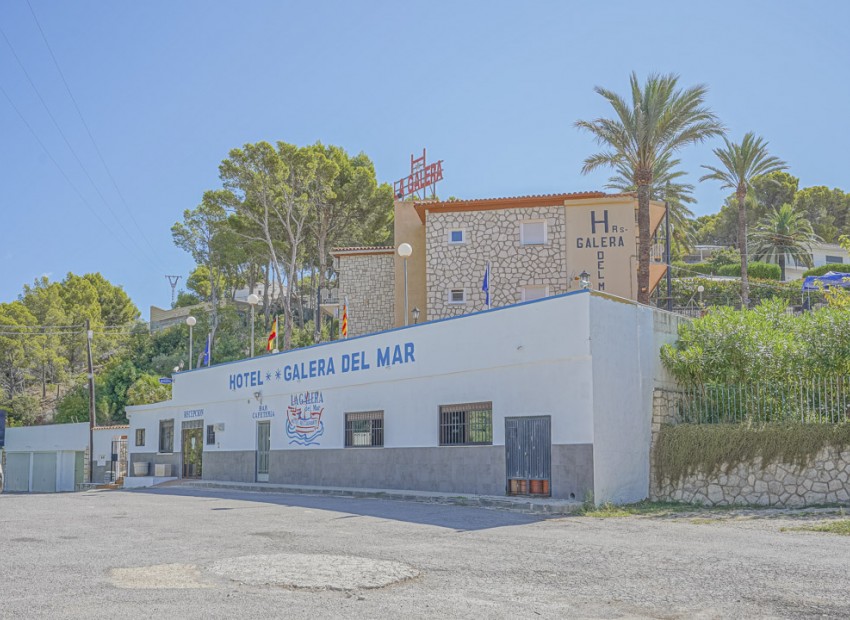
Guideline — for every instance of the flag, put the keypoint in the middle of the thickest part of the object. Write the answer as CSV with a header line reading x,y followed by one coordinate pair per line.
x,y
272,336
206,360
344,324
485,285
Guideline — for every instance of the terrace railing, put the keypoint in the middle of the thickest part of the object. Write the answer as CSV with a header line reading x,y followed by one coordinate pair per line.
x,y
816,400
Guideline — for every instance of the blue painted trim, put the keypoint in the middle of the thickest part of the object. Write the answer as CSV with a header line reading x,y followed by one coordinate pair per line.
x,y
394,329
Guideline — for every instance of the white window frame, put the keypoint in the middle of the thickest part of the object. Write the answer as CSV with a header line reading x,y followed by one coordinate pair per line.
x,y
522,224
523,289
452,301
462,232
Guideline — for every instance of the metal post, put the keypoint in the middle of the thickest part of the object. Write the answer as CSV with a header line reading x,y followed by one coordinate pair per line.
x,y
190,347
89,336
667,243
252,330
405,292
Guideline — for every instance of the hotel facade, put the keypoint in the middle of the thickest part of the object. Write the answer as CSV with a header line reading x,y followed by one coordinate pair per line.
x,y
536,247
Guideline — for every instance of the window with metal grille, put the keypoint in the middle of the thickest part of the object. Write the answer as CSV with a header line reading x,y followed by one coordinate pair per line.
x,y
140,436
210,434
467,424
457,296
166,435
838,260
364,429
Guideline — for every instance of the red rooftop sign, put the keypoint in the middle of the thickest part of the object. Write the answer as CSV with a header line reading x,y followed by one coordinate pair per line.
x,y
422,176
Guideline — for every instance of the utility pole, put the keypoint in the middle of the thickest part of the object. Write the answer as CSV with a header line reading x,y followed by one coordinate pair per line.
x,y
89,336
667,248
172,280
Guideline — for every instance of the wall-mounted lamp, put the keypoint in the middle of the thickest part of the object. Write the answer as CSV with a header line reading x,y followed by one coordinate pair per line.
x,y
258,396
584,279
415,313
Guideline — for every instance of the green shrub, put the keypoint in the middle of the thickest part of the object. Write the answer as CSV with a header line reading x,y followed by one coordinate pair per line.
x,y
819,271
685,449
763,271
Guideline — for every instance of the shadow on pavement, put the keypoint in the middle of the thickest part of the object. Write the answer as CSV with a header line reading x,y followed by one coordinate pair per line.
x,y
460,518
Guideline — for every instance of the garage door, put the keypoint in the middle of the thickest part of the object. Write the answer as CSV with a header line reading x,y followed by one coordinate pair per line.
x,y
17,472
44,472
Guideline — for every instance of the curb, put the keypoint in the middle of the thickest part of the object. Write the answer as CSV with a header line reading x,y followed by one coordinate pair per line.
x,y
519,504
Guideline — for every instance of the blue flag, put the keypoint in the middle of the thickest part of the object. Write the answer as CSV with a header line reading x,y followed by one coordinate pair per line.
x,y
206,360
485,285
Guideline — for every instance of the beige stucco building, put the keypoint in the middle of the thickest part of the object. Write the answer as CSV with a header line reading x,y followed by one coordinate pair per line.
x,y
536,247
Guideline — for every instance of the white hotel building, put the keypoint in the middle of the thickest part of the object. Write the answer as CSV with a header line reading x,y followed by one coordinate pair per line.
x,y
548,397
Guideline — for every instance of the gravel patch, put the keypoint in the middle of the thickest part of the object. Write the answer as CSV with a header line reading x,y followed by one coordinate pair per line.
x,y
313,571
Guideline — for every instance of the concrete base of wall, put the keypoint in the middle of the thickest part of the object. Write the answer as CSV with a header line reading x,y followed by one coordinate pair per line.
x,y
478,470
232,465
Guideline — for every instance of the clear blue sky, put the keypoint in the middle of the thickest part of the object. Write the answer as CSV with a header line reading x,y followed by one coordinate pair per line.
x,y
492,88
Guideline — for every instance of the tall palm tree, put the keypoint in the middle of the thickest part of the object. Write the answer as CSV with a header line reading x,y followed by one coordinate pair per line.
x,y
660,119
740,163
667,187
783,233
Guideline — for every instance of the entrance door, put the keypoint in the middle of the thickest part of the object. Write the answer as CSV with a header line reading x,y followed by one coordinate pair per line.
x,y
193,448
263,447
528,454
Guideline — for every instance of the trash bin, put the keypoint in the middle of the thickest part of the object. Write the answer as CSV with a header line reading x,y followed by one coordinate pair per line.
x,y
140,469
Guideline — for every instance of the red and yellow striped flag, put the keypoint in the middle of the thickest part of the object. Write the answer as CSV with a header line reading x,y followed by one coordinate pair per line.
x,y
272,336
344,324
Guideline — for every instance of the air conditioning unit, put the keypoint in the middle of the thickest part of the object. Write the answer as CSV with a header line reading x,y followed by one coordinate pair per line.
x,y
219,427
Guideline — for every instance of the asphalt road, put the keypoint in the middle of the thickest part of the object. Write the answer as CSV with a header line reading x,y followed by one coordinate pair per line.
x,y
179,553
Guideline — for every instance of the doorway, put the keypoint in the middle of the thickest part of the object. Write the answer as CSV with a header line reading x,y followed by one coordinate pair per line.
x,y
193,448
528,455
263,448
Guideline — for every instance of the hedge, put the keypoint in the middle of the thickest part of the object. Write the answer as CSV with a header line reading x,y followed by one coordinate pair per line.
x,y
762,271
819,271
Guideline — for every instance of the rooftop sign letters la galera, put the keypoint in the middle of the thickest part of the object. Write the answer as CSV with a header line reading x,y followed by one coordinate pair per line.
x,y
422,175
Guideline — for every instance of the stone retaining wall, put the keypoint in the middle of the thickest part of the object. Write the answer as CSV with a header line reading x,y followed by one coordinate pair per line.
x,y
824,480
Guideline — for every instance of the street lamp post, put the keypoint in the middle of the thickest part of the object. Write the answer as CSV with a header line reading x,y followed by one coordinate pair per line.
x,y
190,321
405,250
252,299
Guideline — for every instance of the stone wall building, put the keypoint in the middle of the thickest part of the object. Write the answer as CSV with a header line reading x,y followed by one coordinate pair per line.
x,y
536,246
366,284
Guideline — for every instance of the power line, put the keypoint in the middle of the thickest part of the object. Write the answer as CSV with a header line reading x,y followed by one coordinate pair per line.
x,y
58,167
88,131
68,143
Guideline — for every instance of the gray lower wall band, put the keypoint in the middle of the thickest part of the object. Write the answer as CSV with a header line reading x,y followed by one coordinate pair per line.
x,y
462,469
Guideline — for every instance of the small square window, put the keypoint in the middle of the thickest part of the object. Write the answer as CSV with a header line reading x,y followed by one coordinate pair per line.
x,y
457,296
532,292
467,424
457,236
533,232
210,434
140,436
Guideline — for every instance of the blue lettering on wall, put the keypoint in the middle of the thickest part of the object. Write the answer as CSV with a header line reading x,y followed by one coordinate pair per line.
x,y
356,361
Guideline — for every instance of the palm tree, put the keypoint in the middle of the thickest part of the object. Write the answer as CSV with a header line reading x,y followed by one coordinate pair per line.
x,y
784,232
660,120
666,187
742,162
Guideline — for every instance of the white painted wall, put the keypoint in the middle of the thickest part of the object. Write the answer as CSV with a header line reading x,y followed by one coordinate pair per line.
x,y
625,343
588,360
528,359
48,438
